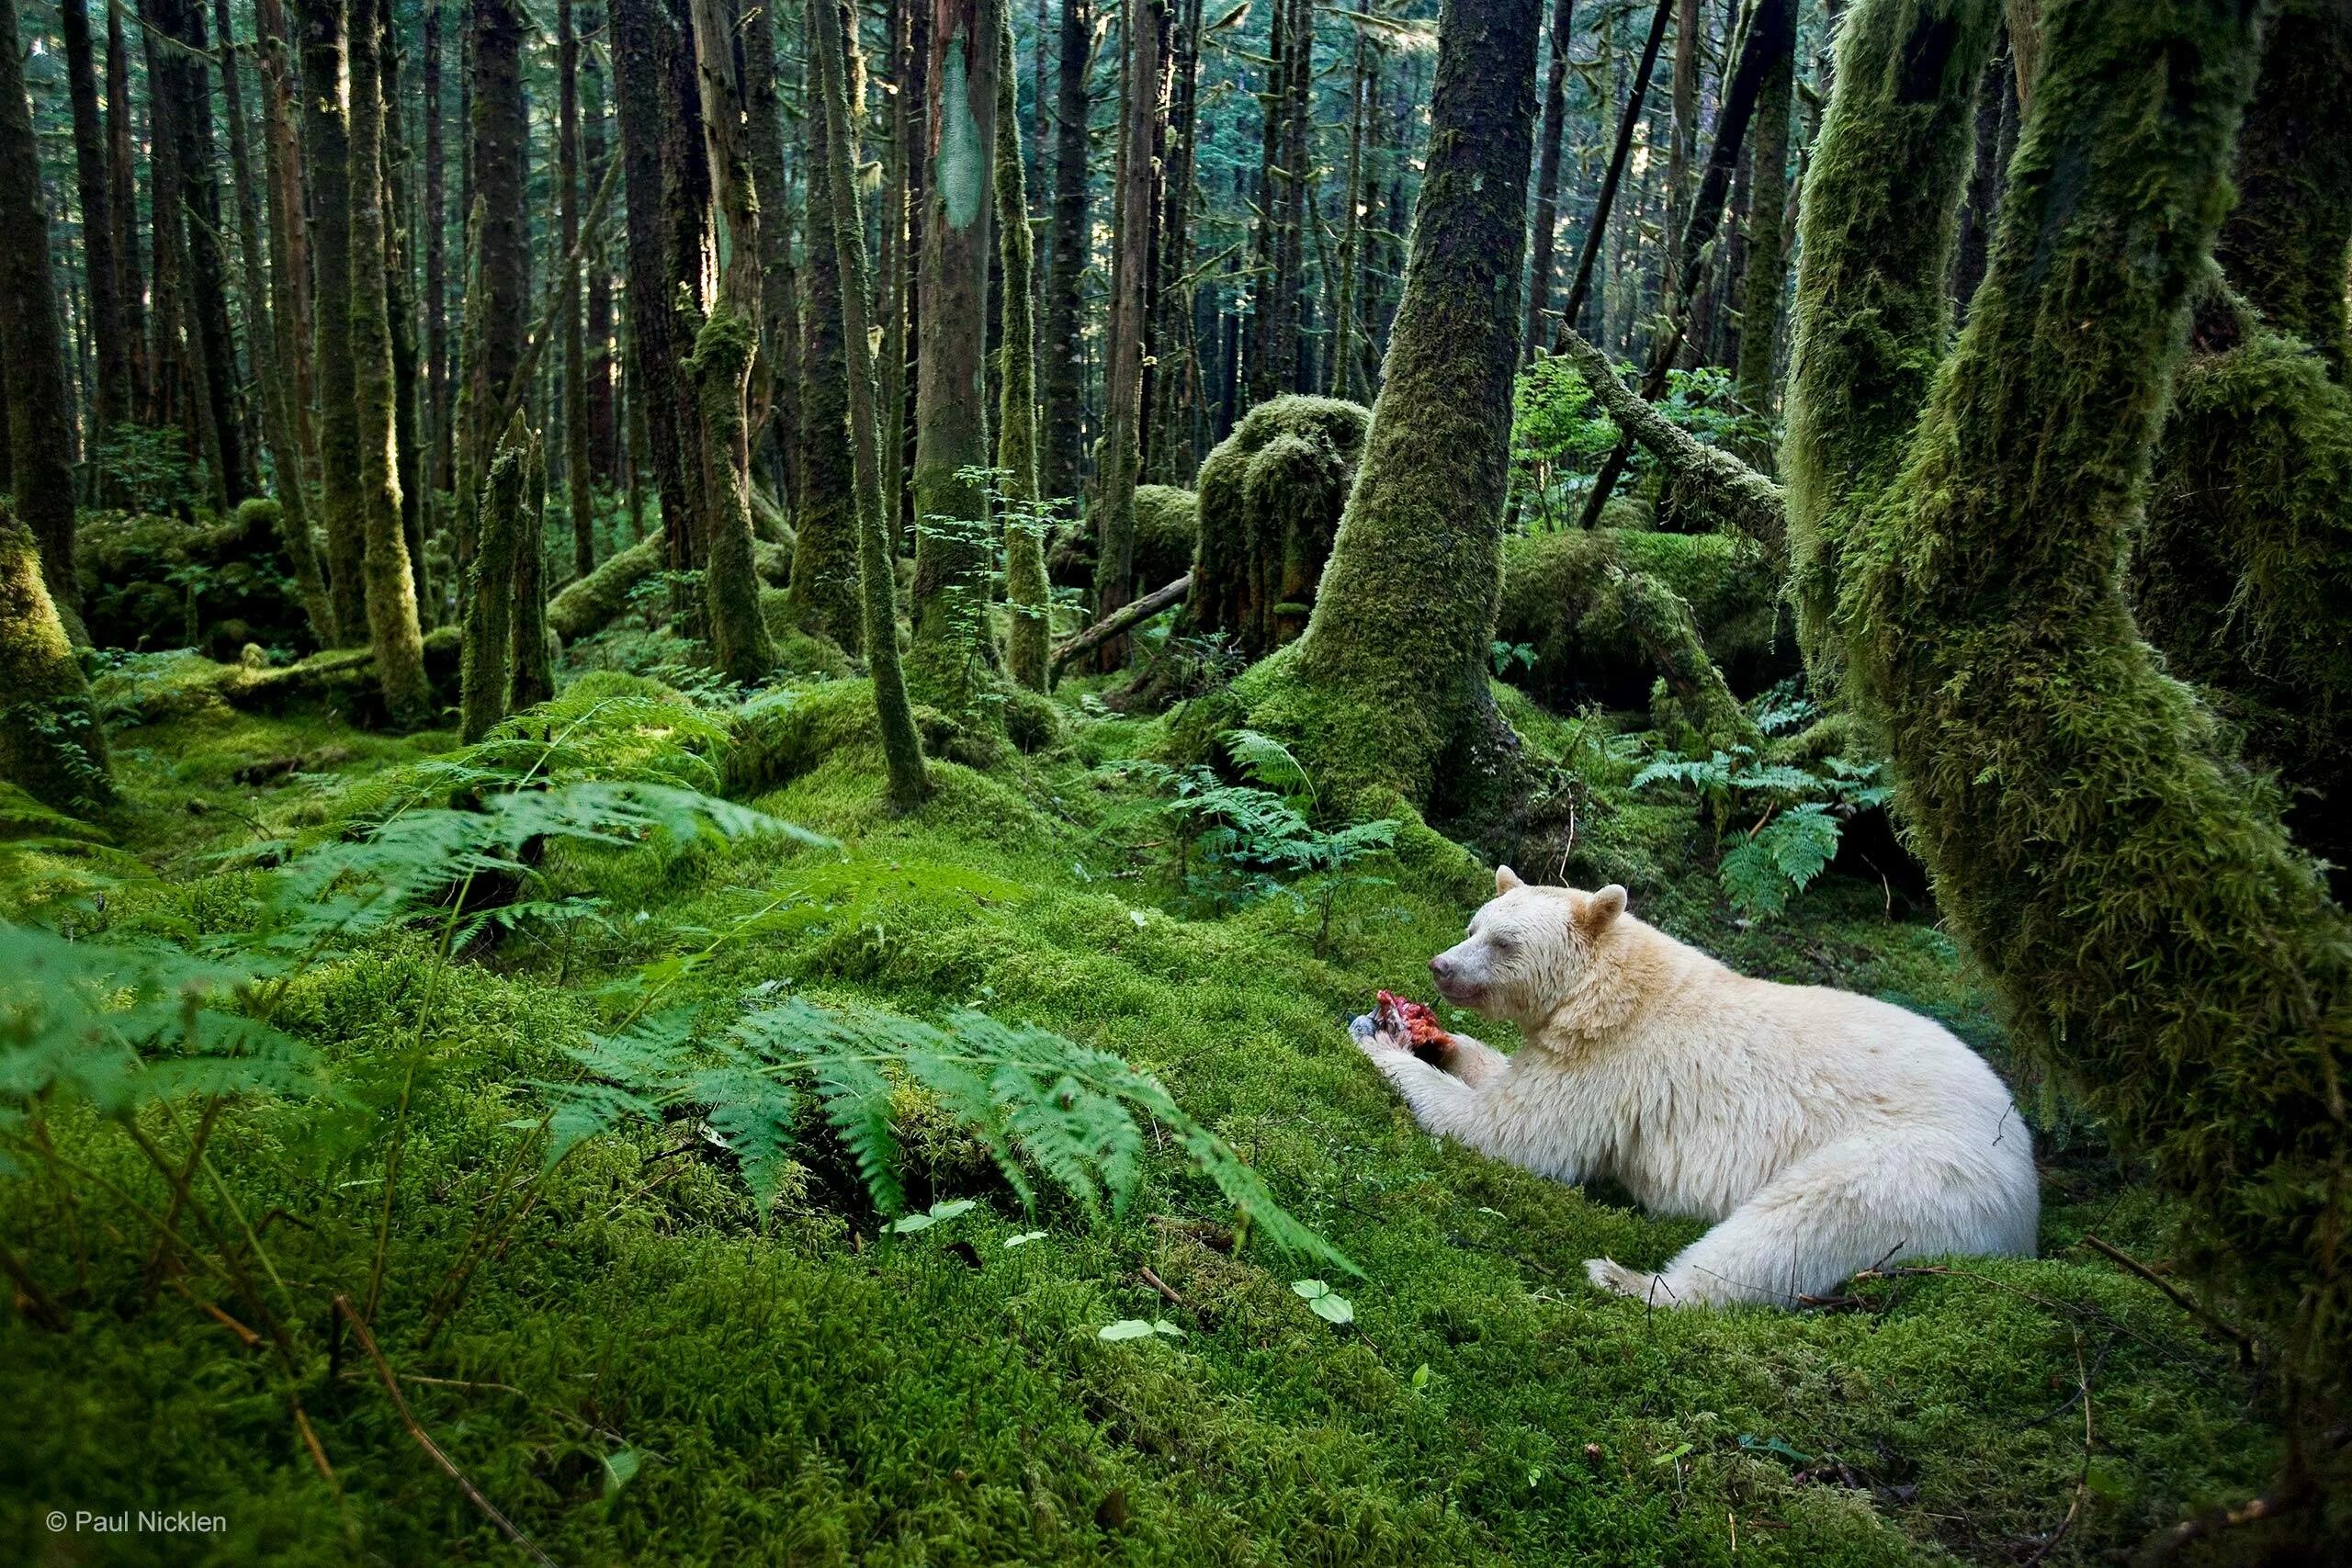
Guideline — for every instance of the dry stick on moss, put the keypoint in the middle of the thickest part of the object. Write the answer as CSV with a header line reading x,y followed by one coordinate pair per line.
x,y
2248,1349
901,747
1722,484
2083,1479
1120,620
40,1305
1765,36
1597,229
425,1440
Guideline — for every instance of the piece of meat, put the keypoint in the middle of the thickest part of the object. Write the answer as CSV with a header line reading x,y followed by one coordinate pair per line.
x,y
1415,1024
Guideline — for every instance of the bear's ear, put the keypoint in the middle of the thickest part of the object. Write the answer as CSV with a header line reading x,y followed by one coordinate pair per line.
x,y
1507,880
1602,908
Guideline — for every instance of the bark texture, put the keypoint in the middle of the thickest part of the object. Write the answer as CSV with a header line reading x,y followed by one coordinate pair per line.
x,y
1016,427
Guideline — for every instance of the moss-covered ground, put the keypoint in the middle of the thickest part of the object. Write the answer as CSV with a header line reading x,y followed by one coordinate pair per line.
x,y
644,1373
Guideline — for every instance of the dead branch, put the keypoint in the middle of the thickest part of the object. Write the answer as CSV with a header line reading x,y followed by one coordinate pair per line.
x,y
2247,1348
1119,620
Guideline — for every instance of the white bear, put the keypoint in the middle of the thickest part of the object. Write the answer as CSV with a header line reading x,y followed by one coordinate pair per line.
x,y
1822,1131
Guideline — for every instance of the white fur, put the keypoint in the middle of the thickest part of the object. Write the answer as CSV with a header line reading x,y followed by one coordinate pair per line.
x,y
1823,1132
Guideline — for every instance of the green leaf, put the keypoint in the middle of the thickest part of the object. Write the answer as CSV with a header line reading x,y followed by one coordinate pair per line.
x,y
1126,1328
620,1467
1420,1377
1332,1307
1023,1239
1676,1452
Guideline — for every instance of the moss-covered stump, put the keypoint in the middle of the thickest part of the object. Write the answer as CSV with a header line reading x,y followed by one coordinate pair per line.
x,y
1559,601
1270,502
50,744
155,583
2244,575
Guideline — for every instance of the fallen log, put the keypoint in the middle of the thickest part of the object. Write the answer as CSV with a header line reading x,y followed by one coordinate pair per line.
x,y
1120,620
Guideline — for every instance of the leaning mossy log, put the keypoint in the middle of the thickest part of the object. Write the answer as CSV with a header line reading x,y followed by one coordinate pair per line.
x,y
1270,502
1558,602
2132,896
50,743
586,605
1130,615
2243,576
1692,704
1709,479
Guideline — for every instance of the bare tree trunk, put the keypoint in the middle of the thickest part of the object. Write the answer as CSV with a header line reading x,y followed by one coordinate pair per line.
x,y
579,492
1548,179
1172,380
326,158
1062,465
1114,508
109,328
1025,588
825,596
1595,231
122,209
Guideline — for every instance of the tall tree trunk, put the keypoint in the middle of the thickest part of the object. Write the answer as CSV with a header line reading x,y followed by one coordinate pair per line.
x,y
39,403
289,260
1115,507
901,436
1344,351
435,218
392,629
604,430
490,587
1025,589
1548,179
579,492
1388,688
952,553
108,328
721,367
901,747
1766,278
2288,244
532,681
1595,231
499,136
825,597
1172,382
776,394
212,348
122,211
1690,37
326,158
1061,467
266,323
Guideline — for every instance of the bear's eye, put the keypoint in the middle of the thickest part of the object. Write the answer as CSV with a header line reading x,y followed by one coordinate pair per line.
x,y
1504,944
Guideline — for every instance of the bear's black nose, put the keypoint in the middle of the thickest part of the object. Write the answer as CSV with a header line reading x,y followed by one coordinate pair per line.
x,y
1441,967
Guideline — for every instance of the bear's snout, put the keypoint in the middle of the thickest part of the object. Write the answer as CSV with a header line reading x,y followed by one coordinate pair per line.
x,y
1451,984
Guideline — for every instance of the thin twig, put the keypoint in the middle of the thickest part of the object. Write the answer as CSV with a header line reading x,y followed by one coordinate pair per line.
x,y
1162,1286
2083,1480
425,1440
2178,1297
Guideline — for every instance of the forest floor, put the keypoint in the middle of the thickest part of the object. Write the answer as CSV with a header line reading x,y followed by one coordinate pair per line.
x,y
646,1373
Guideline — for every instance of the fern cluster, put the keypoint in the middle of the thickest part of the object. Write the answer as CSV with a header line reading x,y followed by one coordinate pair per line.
x,y
1043,1106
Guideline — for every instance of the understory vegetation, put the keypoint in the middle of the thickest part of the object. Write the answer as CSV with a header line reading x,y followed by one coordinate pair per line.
x,y
632,1112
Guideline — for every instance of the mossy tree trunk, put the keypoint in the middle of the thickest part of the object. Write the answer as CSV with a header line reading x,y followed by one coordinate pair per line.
x,y
1768,188
1061,459
533,679
1389,686
1025,589
490,588
777,398
2149,926
721,365
901,747
1876,237
39,406
824,560
1271,498
1548,179
2288,244
390,589
51,745
580,499
1121,461
499,302
177,75
109,330
326,164
952,550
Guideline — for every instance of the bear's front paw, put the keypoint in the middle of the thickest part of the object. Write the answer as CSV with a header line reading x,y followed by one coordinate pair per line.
x,y
1371,1039
1612,1275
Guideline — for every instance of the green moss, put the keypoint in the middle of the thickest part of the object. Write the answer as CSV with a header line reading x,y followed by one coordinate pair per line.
x,y
1876,235
723,357
1557,599
1166,532
50,745
1269,506
2243,573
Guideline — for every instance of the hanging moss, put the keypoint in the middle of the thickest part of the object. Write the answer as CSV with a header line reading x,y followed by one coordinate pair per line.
x,y
1875,241
2243,575
50,743
1270,502
2132,897
1558,602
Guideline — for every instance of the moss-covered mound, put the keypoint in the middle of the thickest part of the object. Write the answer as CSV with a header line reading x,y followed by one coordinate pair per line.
x,y
1270,497
1559,599
154,582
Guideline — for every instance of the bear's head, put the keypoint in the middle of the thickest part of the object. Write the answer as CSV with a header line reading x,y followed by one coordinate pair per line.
x,y
1527,949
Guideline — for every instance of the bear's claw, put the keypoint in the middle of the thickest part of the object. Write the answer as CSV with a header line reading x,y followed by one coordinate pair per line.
x,y
1612,1275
